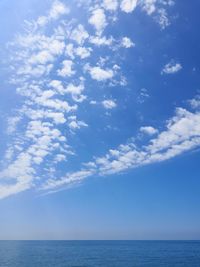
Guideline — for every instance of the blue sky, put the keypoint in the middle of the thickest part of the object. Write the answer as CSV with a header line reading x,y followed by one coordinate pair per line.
x,y
100,119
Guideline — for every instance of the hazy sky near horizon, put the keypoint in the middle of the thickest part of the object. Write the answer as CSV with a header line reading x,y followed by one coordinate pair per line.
x,y
99,119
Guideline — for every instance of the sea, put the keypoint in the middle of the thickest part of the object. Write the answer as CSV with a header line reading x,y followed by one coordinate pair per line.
x,y
99,253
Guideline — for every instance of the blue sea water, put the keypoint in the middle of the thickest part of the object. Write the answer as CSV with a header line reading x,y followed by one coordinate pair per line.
x,y
99,253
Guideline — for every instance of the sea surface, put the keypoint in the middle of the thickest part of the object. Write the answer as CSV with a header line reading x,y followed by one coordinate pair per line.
x,y
99,253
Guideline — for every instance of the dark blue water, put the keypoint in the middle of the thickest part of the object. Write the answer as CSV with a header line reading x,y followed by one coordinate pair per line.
x,y
99,253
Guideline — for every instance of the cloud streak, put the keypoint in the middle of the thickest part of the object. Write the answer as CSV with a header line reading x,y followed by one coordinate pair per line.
x,y
181,134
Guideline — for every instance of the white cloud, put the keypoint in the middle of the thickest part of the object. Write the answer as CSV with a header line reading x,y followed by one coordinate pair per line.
x,y
143,96
149,6
148,130
42,57
83,52
35,71
66,69
76,92
57,117
42,21
79,34
157,9
195,102
60,157
110,5
98,19
171,67
7,190
116,67
19,176
68,179
184,126
97,40
46,112
77,124
109,104
58,9
126,42
162,18
56,47
57,85
128,5
100,74
70,50
182,134
21,173
47,99
93,102
12,124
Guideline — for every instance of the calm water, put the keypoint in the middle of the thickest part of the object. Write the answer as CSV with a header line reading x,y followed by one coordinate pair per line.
x,y
99,253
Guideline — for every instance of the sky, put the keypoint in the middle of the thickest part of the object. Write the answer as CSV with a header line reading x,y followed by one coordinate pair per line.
x,y
99,119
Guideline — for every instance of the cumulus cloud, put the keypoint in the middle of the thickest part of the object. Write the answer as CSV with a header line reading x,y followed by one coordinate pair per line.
x,y
60,158
76,92
75,124
12,124
126,42
195,102
98,19
99,74
79,34
128,5
46,100
80,51
148,130
149,6
58,9
66,69
162,18
55,46
42,57
83,52
157,9
111,5
109,104
101,40
171,68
